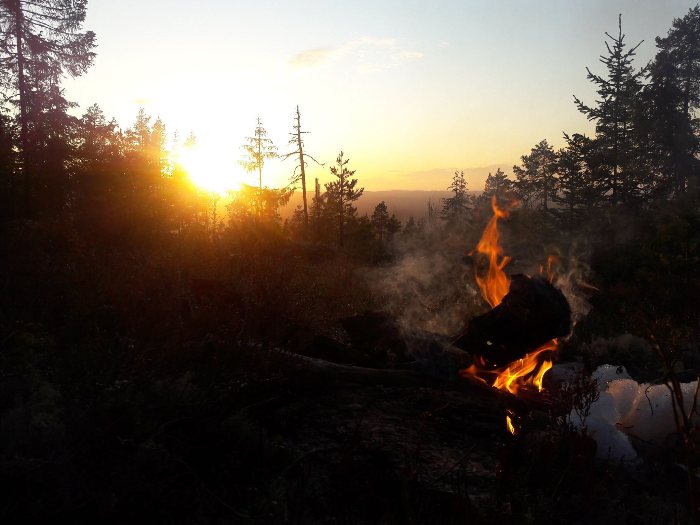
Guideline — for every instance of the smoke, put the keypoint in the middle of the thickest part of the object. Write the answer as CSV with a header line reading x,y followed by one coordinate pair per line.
x,y
429,290
431,284
571,274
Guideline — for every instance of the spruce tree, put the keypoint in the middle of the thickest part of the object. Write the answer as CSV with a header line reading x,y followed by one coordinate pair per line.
x,y
40,41
671,101
340,194
613,114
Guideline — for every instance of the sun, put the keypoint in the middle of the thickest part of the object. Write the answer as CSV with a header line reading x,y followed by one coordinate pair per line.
x,y
209,171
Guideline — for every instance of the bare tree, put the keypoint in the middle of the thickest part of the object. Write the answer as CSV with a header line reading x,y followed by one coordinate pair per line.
x,y
297,141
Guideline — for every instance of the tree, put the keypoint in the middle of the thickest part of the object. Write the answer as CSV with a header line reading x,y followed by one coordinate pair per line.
x,y
497,185
51,141
98,139
317,204
159,157
577,190
393,225
297,141
682,46
8,163
340,194
431,215
98,147
411,228
670,102
258,149
40,41
147,165
263,205
535,179
380,219
613,114
455,210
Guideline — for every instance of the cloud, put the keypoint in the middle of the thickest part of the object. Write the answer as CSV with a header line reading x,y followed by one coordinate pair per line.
x,y
409,55
311,57
366,55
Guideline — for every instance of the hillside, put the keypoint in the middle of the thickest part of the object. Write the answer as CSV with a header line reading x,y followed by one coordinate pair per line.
x,y
403,203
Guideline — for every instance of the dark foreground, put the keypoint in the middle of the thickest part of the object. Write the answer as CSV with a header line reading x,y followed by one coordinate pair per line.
x,y
149,387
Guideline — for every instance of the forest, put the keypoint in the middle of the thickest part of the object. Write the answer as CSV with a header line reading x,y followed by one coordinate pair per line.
x,y
179,355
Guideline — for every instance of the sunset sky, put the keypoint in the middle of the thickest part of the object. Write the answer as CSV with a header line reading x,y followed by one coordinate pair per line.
x,y
410,90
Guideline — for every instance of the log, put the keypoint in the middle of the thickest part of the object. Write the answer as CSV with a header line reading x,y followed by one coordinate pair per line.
x,y
378,335
532,313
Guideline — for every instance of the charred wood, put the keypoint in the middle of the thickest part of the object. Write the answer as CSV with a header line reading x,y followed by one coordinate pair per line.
x,y
531,314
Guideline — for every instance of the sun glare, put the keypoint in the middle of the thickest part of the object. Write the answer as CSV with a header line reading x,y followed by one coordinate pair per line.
x,y
208,171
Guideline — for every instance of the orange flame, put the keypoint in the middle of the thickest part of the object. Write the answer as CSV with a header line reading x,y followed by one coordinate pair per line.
x,y
509,424
494,286
550,271
529,371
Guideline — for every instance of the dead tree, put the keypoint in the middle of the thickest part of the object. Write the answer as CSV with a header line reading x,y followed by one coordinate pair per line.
x,y
297,141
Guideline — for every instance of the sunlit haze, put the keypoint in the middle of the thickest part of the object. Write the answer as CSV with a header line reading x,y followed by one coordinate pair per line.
x,y
409,90
208,169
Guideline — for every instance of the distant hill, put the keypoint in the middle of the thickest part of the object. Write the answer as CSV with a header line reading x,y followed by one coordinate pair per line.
x,y
403,203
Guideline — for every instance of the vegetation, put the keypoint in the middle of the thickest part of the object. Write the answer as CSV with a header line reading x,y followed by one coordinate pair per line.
x,y
150,330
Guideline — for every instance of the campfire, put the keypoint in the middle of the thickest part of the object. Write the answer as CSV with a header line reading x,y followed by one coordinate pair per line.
x,y
513,343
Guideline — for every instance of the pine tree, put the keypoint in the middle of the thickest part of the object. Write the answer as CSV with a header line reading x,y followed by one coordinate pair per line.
x,y
431,216
160,157
577,190
393,225
380,220
98,150
456,210
614,116
411,228
670,103
340,194
51,140
40,41
535,179
258,149
138,137
497,185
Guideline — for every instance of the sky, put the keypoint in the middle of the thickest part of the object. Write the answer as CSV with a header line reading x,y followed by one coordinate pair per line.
x,y
410,90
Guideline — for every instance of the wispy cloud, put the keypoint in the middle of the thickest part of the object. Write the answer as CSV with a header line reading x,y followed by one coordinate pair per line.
x,y
409,55
368,54
311,57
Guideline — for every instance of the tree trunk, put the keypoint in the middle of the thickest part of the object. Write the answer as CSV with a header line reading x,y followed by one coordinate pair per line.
x,y
259,159
303,172
342,208
22,88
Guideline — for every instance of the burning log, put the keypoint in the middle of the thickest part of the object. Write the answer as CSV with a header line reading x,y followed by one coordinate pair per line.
x,y
532,313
